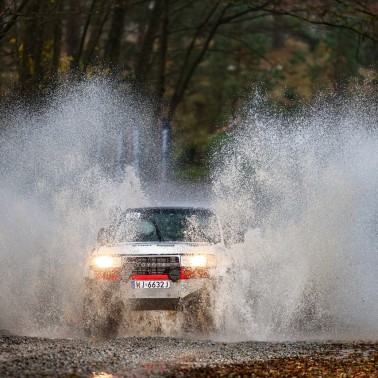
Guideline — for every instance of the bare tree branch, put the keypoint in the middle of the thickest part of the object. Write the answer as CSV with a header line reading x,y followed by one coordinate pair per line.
x,y
13,19
191,46
179,91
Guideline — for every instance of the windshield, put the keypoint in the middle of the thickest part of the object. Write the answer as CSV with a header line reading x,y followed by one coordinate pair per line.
x,y
166,225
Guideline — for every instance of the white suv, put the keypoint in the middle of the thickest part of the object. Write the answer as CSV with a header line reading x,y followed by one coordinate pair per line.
x,y
155,258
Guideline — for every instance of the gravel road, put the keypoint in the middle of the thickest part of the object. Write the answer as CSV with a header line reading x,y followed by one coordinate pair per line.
x,y
175,357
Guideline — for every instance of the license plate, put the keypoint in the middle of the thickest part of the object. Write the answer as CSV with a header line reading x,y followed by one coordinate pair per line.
x,y
138,284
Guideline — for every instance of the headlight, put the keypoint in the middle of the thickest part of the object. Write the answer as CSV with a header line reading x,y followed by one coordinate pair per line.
x,y
106,262
198,261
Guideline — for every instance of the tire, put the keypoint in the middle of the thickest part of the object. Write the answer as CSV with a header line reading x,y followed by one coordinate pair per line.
x,y
199,313
103,313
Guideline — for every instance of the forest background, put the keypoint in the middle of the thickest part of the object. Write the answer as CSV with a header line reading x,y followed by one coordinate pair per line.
x,y
195,62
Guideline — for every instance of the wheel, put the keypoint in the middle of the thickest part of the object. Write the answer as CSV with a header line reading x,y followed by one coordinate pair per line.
x,y
102,313
102,325
199,313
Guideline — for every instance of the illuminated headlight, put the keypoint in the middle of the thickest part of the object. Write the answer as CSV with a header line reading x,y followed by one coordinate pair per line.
x,y
106,262
198,261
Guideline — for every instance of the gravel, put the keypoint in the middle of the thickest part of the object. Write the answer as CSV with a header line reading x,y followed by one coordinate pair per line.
x,y
162,356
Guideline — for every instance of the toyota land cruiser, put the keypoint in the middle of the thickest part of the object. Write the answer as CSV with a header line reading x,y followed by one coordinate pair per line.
x,y
154,259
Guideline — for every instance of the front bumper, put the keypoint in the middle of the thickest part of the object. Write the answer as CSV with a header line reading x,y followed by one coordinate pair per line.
x,y
173,298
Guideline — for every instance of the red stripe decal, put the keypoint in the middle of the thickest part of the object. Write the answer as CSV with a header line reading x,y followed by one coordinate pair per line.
x,y
149,277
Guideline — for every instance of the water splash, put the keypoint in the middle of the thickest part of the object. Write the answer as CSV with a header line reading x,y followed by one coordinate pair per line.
x,y
303,188
62,170
306,188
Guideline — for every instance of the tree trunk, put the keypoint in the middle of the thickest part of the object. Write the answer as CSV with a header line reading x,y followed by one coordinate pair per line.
x,y
57,40
142,65
162,123
341,70
78,54
163,46
113,47
31,50
72,31
101,15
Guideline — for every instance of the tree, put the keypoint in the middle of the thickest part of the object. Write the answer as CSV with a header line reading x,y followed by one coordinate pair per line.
x,y
188,56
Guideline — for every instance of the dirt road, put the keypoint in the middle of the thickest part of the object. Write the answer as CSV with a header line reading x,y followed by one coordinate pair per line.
x,y
160,356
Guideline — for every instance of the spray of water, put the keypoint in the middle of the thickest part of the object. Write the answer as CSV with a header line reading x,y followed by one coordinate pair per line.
x,y
305,189
62,170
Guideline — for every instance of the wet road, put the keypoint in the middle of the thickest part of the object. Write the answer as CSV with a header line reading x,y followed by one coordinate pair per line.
x,y
175,357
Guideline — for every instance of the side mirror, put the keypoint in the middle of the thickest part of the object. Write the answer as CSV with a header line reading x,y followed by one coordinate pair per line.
x,y
103,236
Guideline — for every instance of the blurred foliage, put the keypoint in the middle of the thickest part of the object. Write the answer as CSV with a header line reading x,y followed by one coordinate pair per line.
x,y
195,61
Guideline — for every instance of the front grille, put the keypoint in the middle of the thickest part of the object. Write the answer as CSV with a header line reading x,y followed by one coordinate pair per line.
x,y
151,264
